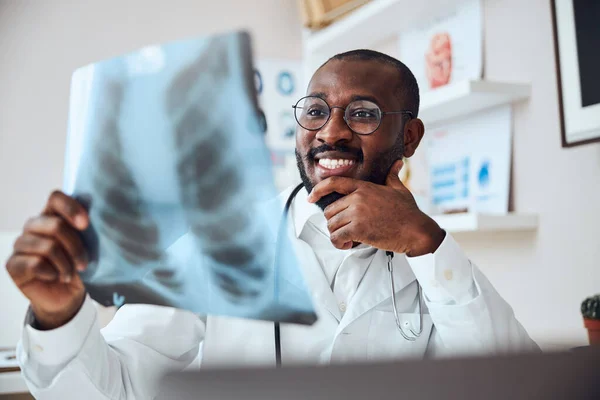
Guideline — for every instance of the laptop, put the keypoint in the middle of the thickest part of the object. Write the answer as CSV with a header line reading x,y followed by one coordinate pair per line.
x,y
569,375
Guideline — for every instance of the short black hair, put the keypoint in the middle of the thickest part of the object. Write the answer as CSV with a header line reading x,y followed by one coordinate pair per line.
x,y
407,89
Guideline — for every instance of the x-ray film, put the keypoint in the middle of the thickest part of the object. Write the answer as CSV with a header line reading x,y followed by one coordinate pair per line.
x,y
166,151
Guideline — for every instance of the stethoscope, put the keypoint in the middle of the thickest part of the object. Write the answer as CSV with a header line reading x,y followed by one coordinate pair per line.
x,y
410,336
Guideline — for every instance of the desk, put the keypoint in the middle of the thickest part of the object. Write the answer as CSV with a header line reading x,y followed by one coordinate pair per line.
x,y
12,383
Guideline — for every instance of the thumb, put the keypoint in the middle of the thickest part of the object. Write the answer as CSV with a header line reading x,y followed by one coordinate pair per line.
x,y
393,179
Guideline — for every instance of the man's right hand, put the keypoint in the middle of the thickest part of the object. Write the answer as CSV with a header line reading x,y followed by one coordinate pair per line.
x,y
46,258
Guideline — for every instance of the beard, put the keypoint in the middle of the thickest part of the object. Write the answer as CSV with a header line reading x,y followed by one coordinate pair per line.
x,y
378,173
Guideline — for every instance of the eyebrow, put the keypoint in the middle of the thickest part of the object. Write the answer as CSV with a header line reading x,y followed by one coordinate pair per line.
x,y
323,95
366,98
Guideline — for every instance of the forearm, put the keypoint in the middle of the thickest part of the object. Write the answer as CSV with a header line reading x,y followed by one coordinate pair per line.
x,y
470,317
79,361
55,363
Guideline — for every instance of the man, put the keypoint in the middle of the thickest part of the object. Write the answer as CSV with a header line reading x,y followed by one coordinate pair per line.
x,y
358,121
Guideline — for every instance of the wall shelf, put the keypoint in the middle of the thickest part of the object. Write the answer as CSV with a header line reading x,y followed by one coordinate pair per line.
x,y
374,22
480,222
379,20
462,98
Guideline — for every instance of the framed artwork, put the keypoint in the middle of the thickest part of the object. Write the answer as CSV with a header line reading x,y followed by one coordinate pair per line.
x,y
576,44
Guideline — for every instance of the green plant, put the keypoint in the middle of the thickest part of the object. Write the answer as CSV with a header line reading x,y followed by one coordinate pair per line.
x,y
590,308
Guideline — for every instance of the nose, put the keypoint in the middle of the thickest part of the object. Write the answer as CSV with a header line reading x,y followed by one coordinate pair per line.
x,y
335,130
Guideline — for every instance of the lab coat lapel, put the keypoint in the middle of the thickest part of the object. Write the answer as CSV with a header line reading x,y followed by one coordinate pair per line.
x,y
375,286
313,274
315,278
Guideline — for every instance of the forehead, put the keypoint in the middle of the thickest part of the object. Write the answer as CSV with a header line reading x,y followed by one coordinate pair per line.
x,y
341,81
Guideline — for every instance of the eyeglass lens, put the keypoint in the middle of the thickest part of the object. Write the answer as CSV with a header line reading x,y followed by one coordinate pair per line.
x,y
362,116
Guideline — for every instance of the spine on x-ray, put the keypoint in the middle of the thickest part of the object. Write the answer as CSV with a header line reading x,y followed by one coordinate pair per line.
x,y
120,209
216,200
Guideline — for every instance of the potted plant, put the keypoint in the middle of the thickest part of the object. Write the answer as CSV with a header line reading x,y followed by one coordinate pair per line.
x,y
590,309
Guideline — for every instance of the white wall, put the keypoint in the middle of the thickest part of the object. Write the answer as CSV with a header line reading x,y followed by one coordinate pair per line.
x,y
42,42
546,274
12,303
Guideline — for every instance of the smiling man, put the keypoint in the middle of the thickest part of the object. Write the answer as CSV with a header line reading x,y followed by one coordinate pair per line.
x,y
356,124
387,282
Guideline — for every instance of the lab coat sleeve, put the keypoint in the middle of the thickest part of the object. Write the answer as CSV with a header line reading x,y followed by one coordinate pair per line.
x,y
125,360
468,314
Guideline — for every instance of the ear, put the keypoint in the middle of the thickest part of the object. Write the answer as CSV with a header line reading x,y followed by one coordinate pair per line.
x,y
413,133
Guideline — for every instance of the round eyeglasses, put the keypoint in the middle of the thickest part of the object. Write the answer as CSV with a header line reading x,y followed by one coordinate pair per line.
x,y
362,116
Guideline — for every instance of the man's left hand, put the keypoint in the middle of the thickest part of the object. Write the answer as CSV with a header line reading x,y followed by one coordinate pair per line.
x,y
383,216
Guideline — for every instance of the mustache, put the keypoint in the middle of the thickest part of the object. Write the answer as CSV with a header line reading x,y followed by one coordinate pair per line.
x,y
312,153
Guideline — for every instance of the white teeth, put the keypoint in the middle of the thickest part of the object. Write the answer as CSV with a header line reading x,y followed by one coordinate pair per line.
x,y
334,163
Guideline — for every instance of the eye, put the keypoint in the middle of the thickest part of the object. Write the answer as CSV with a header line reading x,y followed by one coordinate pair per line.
x,y
316,112
363,114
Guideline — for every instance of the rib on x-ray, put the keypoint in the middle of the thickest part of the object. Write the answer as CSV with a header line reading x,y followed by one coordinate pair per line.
x,y
166,152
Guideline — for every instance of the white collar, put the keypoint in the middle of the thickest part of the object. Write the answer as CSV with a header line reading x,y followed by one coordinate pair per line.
x,y
302,211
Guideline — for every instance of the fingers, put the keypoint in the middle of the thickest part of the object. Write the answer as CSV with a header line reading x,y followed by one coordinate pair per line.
x,y
47,248
68,208
338,221
337,206
393,178
24,268
342,238
342,229
395,168
59,229
339,184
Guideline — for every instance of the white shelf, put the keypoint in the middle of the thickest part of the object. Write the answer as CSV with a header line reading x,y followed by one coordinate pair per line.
x,y
462,98
475,222
374,22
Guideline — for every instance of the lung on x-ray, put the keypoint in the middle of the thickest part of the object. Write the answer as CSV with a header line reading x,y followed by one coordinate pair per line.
x,y
165,150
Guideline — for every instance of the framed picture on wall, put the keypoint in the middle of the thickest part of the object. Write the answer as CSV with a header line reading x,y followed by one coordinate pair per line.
x,y
576,44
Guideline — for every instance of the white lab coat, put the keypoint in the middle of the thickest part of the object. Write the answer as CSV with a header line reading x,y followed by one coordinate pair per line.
x,y
127,359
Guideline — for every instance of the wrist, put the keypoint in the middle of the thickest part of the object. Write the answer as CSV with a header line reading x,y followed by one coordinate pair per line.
x,y
427,237
47,320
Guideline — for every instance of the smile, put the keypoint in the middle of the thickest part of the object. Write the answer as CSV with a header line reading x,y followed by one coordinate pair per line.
x,y
332,163
330,166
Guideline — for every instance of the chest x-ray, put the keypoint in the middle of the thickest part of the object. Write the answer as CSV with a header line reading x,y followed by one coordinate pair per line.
x,y
166,151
